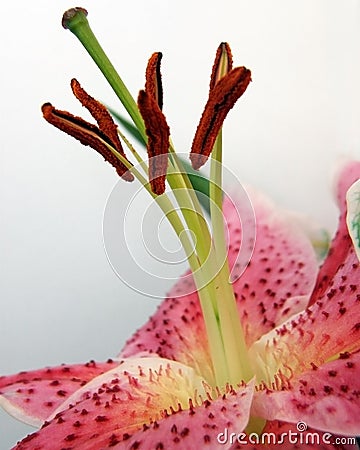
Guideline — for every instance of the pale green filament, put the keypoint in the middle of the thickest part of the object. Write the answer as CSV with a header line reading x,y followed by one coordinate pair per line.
x,y
207,290
230,326
138,158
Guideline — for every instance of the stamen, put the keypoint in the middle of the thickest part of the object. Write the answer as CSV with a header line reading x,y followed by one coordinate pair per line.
x,y
222,64
86,133
158,134
153,84
157,130
222,98
104,121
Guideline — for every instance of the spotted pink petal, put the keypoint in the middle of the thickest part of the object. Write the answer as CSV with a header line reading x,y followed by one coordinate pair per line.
x,y
32,396
281,274
266,293
197,428
286,436
341,244
326,398
323,331
177,332
138,392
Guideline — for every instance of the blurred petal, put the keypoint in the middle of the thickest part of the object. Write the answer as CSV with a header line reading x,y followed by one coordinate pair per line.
x,y
319,236
341,244
331,324
353,215
32,396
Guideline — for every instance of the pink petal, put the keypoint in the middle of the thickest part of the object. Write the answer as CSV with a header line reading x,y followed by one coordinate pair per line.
x,y
120,402
197,428
281,274
323,331
325,398
349,172
341,244
266,293
177,332
32,396
309,439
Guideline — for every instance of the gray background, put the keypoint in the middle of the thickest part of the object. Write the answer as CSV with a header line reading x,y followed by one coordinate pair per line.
x,y
60,301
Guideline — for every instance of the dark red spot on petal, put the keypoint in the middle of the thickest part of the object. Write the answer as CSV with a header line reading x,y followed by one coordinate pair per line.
x,y
101,419
70,437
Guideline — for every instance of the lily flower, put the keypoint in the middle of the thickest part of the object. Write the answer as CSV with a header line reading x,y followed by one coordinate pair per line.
x,y
158,392
246,364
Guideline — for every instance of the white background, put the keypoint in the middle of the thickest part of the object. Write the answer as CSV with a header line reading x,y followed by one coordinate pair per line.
x,y
60,301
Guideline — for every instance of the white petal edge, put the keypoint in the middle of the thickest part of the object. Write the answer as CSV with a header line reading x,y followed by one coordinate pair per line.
x,y
353,215
19,414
